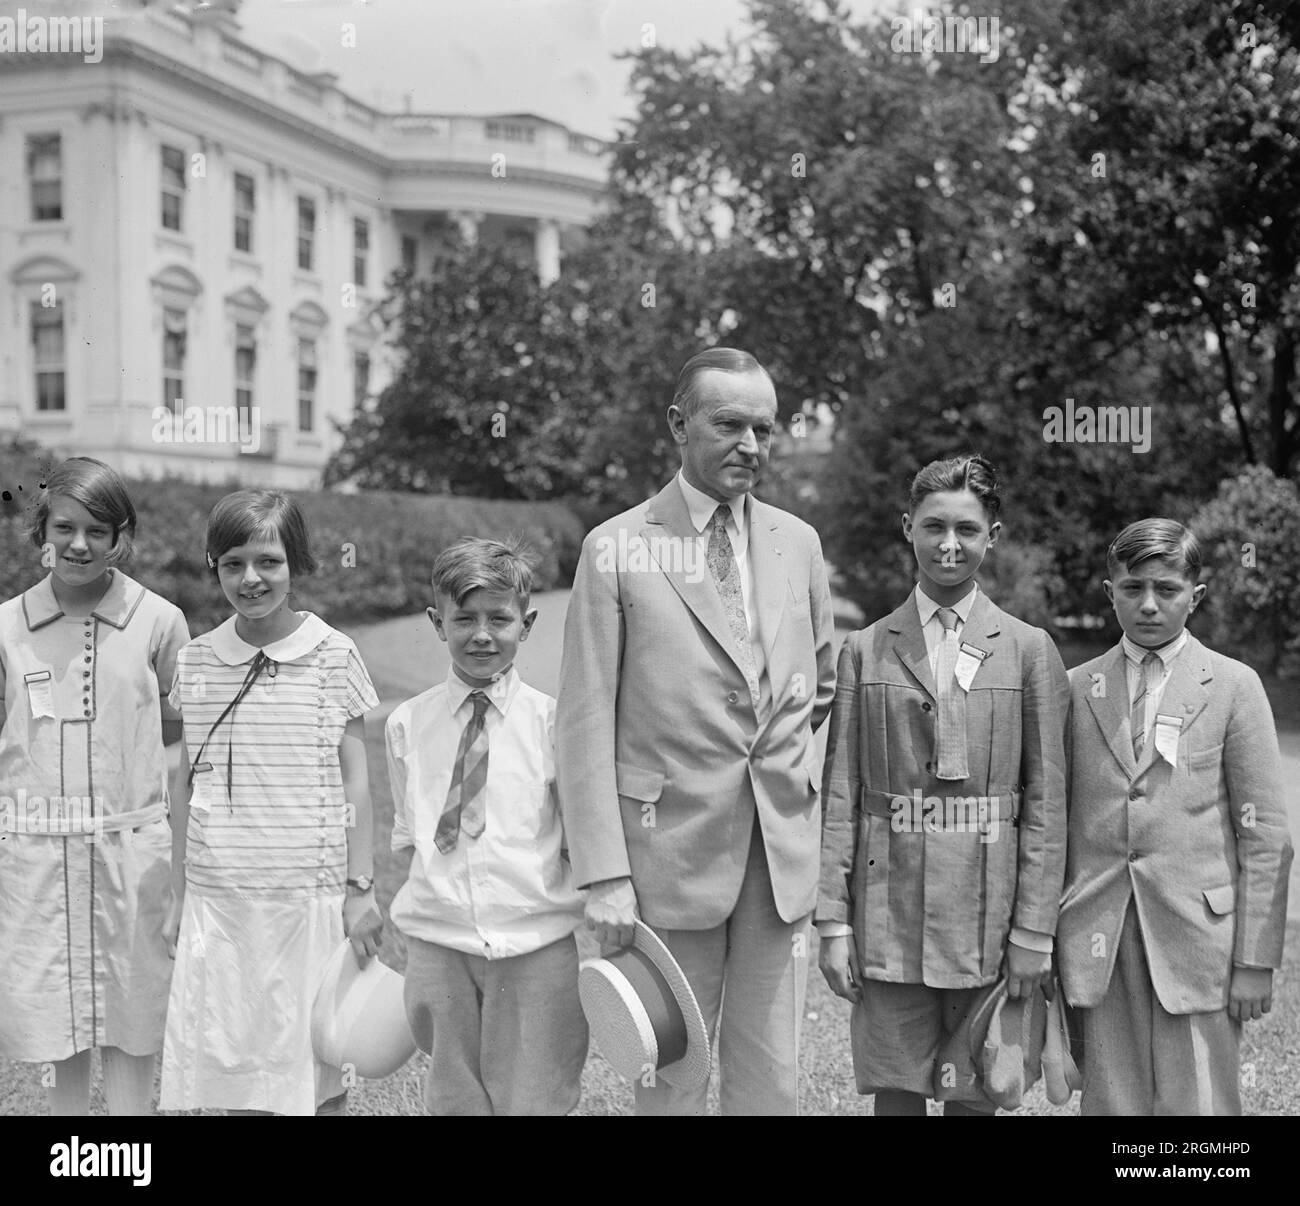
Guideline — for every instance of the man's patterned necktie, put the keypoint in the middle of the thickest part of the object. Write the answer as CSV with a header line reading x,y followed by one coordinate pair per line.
x,y
465,809
1138,719
950,754
726,576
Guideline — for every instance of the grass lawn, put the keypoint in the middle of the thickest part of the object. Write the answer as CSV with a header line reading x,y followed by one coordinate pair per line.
x,y
404,657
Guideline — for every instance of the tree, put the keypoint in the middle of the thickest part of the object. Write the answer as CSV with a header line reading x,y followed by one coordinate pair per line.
x,y
481,402
509,389
1166,198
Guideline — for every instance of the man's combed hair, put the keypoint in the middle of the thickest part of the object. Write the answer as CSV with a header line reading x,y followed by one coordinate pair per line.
x,y
973,473
726,360
1165,539
253,516
101,491
473,563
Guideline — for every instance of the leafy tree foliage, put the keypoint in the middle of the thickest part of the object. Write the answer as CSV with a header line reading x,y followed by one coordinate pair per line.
x,y
925,248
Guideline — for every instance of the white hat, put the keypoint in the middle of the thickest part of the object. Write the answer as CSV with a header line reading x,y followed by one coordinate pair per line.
x,y
358,1019
643,1014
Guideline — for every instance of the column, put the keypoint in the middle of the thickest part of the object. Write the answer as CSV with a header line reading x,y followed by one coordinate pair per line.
x,y
546,243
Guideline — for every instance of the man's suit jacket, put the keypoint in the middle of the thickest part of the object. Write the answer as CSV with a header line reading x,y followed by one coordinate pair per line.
x,y
1202,850
661,756
937,908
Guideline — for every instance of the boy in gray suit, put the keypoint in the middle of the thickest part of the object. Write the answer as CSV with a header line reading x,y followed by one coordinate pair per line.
x,y
1174,909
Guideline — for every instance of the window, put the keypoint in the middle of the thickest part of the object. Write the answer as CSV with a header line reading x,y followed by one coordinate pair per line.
x,y
45,171
306,233
174,360
360,378
410,250
510,131
306,384
47,356
360,250
245,204
173,187
245,366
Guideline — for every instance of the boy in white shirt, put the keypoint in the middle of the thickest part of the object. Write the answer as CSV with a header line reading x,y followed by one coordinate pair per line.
x,y
489,907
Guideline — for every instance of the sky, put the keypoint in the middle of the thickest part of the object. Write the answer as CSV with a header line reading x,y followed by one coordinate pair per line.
x,y
551,57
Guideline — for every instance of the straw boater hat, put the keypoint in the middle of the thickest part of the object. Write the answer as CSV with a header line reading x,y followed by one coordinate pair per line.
x,y
359,1019
643,1015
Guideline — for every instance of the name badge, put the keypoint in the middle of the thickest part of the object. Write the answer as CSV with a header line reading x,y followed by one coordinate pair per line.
x,y
1167,731
969,660
203,789
40,693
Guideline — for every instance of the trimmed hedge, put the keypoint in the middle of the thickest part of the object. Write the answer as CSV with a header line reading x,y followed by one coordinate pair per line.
x,y
375,549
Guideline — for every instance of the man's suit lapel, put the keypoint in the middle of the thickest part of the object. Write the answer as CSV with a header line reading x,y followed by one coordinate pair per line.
x,y
909,645
667,516
770,584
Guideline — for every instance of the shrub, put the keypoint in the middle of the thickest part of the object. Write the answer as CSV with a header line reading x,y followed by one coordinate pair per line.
x,y
1250,537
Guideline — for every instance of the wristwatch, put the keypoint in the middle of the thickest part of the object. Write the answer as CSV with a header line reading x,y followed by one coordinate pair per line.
x,y
362,883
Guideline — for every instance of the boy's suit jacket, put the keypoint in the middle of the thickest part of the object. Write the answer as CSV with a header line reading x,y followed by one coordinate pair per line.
x,y
1202,850
661,756
937,908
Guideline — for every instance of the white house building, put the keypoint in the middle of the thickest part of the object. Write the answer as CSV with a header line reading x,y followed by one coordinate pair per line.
x,y
193,224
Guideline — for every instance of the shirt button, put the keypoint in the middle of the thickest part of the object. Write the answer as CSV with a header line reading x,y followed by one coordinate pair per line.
x,y
320,878
925,707
87,646
85,674
733,697
1132,858
87,656
1135,796
87,711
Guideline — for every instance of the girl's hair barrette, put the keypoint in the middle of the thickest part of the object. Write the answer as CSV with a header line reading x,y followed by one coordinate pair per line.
x,y
212,564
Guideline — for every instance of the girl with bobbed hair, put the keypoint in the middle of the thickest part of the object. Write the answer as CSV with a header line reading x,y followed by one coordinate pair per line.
x,y
87,742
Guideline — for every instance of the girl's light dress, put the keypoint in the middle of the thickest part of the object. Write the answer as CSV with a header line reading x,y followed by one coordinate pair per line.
x,y
265,869
85,848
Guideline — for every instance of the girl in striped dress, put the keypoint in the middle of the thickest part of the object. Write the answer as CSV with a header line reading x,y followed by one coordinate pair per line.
x,y
272,844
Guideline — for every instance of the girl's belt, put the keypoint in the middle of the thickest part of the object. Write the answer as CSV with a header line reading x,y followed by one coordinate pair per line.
x,y
80,818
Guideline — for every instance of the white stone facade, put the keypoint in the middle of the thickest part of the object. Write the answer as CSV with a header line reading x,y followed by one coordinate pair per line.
x,y
194,224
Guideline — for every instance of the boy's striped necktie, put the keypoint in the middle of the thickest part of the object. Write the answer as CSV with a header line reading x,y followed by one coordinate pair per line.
x,y
950,743
466,807
1138,719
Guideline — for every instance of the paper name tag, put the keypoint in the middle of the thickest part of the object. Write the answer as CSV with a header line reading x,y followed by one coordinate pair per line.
x,y
203,791
969,660
40,693
1167,731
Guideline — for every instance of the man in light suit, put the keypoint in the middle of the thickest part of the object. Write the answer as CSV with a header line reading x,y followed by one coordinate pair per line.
x,y
697,664
1178,850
